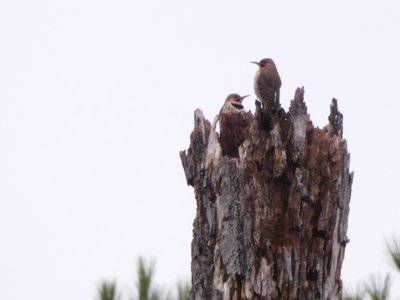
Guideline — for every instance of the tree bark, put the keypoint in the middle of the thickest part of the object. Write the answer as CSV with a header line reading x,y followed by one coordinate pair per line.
x,y
272,214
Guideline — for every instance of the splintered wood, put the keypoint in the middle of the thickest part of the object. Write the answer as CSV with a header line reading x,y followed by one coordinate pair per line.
x,y
272,205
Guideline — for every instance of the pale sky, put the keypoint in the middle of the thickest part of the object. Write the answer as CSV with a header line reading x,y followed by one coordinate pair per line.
x,y
97,100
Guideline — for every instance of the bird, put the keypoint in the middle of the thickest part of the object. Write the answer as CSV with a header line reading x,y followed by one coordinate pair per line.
x,y
233,125
267,84
233,104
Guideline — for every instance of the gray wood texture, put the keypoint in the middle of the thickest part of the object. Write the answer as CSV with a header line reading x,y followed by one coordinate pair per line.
x,y
272,206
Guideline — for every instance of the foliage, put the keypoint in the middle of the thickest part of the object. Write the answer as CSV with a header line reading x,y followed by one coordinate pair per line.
x,y
145,289
183,289
393,248
108,291
352,297
376,289
145,273
359,294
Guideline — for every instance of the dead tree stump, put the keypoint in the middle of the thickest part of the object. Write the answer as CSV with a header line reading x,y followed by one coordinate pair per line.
x,y
271,220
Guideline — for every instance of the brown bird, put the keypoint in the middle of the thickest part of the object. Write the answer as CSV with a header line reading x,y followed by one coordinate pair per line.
x,y
233,125
267,84
233,104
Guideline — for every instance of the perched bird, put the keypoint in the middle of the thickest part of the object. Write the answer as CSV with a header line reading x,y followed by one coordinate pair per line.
x,y
233,125
267,84
233,103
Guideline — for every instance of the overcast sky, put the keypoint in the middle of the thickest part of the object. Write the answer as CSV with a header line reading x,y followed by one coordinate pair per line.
x,y
97,100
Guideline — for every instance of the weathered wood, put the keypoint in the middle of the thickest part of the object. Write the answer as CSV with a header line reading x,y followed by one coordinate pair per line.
x,y
272,211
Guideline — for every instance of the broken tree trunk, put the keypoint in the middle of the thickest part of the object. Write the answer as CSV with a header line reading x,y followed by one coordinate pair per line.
x,y
271,221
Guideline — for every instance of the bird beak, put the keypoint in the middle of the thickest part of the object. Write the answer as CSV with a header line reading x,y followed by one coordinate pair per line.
x,y
255,62
241,98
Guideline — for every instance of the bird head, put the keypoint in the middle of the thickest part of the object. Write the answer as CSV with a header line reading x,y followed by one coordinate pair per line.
x,y
235,98
265,62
